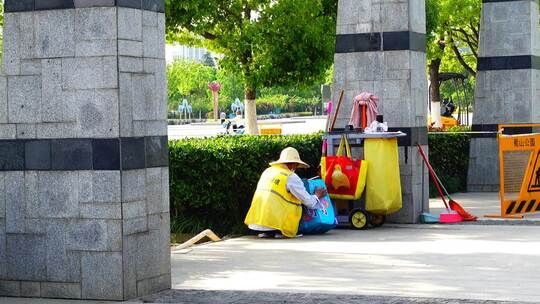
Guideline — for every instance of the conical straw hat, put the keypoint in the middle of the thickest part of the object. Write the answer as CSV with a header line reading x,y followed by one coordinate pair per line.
x,y
290,155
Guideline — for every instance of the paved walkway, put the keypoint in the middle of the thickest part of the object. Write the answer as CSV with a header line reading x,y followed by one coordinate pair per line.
x,y
490,262
481,262
481,204
250,297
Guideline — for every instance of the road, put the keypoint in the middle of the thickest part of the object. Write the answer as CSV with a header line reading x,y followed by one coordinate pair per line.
x,y
289,126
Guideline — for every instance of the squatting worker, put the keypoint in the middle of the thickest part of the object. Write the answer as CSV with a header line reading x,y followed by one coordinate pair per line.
x,y
277,203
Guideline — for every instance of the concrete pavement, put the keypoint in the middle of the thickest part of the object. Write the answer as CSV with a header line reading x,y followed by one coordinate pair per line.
x,y
490,262
251,297
391,264
480,204
481,262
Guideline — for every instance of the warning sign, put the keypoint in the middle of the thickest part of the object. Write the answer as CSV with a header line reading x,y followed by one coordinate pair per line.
x,y
534,175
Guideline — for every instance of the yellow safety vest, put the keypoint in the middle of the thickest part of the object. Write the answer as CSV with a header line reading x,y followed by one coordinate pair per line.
x,y
272,205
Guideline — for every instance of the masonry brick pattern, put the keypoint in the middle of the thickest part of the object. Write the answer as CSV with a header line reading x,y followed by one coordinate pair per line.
x,y
381,49
507,83
84,198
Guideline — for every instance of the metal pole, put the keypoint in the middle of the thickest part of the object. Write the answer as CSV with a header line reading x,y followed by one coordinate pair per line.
x,y
456,88
467,102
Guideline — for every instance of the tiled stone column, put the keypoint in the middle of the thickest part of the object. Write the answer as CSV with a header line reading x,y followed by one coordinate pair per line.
x,y
380,48
507,83
84,198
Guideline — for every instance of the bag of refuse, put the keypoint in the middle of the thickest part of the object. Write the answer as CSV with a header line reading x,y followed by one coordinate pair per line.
x,y
383,186
317,221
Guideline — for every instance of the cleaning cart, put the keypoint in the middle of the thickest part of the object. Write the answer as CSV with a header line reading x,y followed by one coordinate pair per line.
x,y
382,185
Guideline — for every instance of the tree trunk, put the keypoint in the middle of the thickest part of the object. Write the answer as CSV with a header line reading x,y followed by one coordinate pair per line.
x,y
251,112
435,92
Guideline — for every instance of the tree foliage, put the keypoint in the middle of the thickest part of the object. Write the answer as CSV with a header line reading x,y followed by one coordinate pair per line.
x,y
231,88
189,79
453,32
266,42
452,39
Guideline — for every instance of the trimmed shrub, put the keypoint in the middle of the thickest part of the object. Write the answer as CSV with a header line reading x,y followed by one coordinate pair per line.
x,y
212,180
449,156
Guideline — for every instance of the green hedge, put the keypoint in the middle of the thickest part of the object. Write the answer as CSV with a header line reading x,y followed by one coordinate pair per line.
x,y
213,180
449,156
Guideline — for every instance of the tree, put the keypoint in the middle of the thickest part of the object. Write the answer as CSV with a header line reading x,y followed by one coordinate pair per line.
x,y
267,42
463,30
231,88
452,38
189,79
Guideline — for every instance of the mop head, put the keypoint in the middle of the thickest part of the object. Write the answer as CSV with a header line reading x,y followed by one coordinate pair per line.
x,y
450,217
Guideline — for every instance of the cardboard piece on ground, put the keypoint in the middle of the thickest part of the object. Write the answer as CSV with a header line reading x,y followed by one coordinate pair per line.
x,y
206,233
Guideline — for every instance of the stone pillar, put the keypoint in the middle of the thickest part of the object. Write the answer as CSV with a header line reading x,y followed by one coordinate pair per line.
x,y
380,48
507,83
84,198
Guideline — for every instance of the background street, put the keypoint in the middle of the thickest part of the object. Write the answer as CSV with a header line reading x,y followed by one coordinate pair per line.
x,y
300,125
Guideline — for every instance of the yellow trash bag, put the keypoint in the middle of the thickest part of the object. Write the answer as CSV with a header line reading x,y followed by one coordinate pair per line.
x,y
383,185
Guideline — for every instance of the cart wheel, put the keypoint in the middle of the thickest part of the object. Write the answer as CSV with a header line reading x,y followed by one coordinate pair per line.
x,y
377,220
358,219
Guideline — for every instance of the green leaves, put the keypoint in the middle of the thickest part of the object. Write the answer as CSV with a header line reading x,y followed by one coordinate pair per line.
x,y
449,156
212,181
452,32
269,43
190,79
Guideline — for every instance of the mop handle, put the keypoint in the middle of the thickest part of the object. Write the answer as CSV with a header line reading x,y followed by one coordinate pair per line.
x,y
337,111
432,173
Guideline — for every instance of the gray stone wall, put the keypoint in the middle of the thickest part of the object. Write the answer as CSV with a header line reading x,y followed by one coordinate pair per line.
x,y
84,198
507,83
381,49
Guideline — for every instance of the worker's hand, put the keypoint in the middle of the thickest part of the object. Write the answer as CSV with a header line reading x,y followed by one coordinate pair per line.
x,y
320,192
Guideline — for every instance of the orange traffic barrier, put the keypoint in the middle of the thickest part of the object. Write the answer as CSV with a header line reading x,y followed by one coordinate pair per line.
x,y
519,159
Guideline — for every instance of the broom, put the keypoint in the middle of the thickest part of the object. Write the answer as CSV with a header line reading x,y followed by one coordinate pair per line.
x,y
452,203
455,205
447,217
426,217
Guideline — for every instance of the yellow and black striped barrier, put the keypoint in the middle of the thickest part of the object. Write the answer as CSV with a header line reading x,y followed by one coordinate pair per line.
x,y
519,160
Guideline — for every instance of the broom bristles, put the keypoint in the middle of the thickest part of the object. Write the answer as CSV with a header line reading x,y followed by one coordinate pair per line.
x,y
464,214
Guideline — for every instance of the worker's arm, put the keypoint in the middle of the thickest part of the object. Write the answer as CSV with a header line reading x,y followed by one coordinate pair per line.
x,y
296,187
